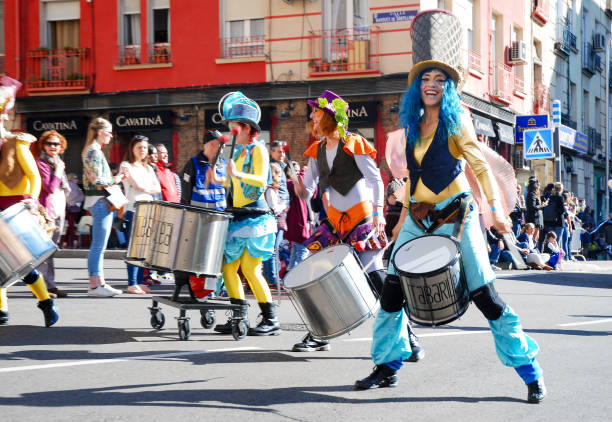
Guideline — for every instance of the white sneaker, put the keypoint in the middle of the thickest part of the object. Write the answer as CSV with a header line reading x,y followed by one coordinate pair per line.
x,y
495,268
100,291
112,289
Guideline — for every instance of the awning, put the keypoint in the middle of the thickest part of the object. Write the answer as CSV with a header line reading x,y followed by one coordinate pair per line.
x,y
483,126
505,133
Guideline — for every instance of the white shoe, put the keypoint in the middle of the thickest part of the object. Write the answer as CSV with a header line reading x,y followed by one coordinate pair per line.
x,y
112,289
100,291
495,268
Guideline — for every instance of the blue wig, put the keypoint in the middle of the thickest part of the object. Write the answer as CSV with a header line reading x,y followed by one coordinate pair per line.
x,y
411,110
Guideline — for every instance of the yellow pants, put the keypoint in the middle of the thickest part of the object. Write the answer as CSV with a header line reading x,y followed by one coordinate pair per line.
x,y
39,288
251,268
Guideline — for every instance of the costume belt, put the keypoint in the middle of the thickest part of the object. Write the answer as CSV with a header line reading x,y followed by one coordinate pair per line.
x,y
454,212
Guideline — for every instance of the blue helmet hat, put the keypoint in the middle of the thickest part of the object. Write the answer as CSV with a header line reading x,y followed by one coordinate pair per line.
x,y
236,107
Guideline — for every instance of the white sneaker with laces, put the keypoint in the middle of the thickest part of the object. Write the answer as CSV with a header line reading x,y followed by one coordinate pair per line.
x,y
100,291
112,289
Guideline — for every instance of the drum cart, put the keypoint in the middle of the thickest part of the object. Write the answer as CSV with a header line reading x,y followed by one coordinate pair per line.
x,y
207,313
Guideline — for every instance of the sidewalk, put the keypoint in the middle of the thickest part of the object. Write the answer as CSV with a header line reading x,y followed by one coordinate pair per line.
x,y
82,253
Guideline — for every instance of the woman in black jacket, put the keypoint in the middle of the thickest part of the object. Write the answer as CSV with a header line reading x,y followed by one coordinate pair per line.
x,y
534,207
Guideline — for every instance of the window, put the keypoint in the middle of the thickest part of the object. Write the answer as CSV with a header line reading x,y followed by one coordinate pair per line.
x,y
246,38
469,24
160,26
129,15
585,111
572,101
159,31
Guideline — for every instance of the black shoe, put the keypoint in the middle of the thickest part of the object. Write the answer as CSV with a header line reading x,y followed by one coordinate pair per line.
x,y
237,314
50,311
536,391
4,317
417,351
311,344
269,325
382,376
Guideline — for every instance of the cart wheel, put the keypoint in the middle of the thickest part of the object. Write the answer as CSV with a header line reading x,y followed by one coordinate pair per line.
x,y
184,330
208,319
157,320
239,330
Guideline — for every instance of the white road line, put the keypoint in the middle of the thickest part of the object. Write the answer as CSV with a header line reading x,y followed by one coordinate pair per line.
x,y
145,357
440,334
597,321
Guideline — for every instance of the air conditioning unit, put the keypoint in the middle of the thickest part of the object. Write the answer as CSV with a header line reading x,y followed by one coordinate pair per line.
x,y
518,52
599,42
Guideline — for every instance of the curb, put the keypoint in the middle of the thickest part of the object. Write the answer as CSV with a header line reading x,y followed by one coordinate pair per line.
x,y
82,253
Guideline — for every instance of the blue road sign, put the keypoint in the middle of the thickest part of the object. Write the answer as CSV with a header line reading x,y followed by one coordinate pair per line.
x,y
556,113
538,144
524,123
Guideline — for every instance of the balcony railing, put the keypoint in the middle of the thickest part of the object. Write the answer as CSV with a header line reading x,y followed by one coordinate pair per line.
x,y
65,69
233,47
541,99
344,51
159,53
565,120
474,60
502,81
519,83
129,54
588,59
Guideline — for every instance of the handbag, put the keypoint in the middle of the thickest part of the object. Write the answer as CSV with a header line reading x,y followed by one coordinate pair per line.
x,y
115,199
281,222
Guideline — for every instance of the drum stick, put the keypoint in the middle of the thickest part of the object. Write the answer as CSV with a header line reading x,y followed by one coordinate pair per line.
x,y
235,131
365,269
222,141
290,161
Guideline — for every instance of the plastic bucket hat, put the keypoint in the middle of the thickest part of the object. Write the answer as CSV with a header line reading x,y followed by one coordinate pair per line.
x,y
236,107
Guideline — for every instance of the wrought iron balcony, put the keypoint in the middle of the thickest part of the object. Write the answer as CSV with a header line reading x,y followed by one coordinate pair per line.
x,y
539,11
474,61
502,83
541,98
65,69
234,47
160,53
344,51
129,54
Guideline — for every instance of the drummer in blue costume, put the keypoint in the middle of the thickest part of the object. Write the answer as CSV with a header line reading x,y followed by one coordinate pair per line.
x,y
438,142
251,234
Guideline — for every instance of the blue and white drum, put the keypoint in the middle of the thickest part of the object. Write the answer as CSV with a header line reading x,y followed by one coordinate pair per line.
x,y
432,278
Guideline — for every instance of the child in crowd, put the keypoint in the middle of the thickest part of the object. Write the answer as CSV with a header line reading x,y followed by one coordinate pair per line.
x,y
552,248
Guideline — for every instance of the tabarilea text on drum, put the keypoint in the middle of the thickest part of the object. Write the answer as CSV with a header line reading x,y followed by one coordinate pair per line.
x,y
432,279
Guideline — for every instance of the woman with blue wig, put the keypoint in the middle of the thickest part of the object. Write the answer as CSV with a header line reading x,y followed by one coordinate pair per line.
x,y
438,142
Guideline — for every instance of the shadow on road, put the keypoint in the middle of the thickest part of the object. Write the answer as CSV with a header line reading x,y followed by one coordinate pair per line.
x,y
596,280
254,400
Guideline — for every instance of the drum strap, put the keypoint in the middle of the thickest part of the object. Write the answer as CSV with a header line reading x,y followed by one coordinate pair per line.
x,y
454,212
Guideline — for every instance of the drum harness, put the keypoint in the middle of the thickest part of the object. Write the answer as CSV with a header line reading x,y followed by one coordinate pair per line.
x,y
455,212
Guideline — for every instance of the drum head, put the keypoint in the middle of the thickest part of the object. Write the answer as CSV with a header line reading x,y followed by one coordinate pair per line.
x,y
425,254
316,266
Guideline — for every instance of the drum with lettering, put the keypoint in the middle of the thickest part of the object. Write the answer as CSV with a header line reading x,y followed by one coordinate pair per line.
x,y
141,233
432,278
189,239
331,292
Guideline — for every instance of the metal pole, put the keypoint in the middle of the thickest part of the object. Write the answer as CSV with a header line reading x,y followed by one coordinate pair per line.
x,y
607,143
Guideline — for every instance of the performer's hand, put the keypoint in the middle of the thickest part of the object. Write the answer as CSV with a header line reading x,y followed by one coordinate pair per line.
x,y
379,223
500,222
231,168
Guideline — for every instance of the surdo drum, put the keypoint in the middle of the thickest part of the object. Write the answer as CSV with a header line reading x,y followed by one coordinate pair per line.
x,y
330,292
141,233
432,278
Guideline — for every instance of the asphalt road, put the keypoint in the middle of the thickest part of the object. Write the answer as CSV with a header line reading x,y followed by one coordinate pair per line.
x,y
103,361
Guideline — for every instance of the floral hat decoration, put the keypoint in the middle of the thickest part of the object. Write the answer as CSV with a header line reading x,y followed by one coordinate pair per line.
x,y
334,105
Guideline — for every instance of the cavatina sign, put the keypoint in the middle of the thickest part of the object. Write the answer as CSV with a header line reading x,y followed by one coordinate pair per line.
x,y
141,120
65,125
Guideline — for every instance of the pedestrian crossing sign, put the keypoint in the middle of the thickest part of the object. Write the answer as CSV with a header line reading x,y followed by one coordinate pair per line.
x,y
538,144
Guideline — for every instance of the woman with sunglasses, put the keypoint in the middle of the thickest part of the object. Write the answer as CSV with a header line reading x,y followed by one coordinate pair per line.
x,y
140,184
97,176
52,195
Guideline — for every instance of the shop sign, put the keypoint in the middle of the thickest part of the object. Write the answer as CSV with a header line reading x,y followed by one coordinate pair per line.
x,y
483,126
506,133
569,138
362,112
536,121
65,125
399,16
141,120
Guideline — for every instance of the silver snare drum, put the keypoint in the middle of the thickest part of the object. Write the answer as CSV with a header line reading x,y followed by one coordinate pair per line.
x,y
141,233
24,245
331,292
432,278
189,239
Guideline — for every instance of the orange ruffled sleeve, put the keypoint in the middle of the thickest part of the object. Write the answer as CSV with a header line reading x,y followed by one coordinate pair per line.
x,y
357,144
311,151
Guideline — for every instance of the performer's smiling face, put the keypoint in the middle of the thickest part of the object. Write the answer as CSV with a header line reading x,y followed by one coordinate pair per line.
x,y
432,87
316,115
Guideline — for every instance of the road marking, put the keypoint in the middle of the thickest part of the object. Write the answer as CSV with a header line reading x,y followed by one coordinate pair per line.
x,y
145,357
441,334
597,321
